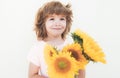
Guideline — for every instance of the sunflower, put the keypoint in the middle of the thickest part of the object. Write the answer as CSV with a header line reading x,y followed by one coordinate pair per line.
x,y
48,52
76,52
91,50
62,65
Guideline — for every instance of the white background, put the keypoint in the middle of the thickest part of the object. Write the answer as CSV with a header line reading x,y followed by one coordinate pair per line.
x,y
99,18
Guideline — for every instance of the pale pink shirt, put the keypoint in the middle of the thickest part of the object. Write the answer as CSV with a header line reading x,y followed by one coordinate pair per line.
x,y
36,55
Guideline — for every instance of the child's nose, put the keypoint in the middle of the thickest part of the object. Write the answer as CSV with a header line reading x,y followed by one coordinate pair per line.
x,y
57,22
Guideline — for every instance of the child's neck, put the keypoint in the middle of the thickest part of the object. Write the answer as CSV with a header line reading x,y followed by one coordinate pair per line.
x,y
55,41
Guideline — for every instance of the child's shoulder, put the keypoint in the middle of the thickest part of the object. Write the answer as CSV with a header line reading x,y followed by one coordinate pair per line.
x,y
38,44
69,39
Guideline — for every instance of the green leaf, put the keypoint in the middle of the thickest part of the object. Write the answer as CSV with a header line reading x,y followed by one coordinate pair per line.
x,y
77,39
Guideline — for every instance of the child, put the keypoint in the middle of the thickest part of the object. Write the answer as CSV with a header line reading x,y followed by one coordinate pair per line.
x,y
52,24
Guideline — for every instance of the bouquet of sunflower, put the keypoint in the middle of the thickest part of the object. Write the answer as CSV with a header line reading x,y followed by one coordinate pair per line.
x,y
90,49
73,57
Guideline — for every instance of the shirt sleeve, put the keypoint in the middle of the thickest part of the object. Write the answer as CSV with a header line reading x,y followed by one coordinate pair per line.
x,y
33,56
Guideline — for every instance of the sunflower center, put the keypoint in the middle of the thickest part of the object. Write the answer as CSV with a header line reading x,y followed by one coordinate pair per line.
x,y
62,65
74,54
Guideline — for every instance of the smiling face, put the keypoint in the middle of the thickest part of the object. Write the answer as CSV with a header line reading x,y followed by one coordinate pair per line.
x,y
55,25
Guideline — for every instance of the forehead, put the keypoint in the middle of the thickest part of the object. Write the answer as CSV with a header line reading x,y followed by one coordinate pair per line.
x,y
55,15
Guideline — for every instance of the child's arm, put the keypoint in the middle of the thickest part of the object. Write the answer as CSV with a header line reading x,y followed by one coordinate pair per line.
x,y
33,71
81,74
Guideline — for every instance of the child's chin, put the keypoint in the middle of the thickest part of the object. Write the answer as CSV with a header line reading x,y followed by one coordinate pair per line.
x,y
57,34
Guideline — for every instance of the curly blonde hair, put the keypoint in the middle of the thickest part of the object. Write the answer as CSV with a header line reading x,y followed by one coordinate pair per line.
x,y
53,7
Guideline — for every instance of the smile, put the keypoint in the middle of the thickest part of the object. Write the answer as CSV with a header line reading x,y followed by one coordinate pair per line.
x,y
57,28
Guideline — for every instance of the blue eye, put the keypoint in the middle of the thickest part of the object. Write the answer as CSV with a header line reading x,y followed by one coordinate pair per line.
x,y
62,19
52,19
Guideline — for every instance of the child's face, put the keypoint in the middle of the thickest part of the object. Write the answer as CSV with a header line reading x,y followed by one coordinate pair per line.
x,y
55,25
